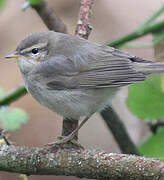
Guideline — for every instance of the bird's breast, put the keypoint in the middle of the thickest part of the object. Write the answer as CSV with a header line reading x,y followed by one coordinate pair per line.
x,y
70,103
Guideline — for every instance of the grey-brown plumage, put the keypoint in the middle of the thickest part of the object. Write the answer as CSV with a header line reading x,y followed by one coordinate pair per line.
x,y
86,64
75,77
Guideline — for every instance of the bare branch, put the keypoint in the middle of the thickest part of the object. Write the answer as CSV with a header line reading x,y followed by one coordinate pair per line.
x,y
83,27
90,164
51,20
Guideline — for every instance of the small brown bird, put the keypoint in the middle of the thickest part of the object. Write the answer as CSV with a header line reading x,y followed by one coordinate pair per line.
x,y
75,77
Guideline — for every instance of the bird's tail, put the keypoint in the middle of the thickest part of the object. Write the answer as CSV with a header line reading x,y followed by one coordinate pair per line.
x,y
149,67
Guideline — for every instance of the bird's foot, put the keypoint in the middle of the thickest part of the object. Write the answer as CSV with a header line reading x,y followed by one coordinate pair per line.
x,y
65,140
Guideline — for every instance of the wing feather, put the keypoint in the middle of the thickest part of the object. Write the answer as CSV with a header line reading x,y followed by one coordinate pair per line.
x,y
107,68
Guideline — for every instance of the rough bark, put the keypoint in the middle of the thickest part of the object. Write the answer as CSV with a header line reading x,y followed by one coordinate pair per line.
x,y
83,27
92,164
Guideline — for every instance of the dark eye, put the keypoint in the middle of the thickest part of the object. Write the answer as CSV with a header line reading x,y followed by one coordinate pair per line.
x,y
35,50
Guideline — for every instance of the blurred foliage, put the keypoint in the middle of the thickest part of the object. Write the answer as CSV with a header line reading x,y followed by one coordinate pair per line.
x,y
161,158
146,99
2,141
34,2
1,93
137,45
23,177
158,38
29,3
12,118
153,146
2,2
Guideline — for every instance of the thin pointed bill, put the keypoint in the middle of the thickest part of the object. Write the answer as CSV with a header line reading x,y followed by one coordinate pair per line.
x,y
14,55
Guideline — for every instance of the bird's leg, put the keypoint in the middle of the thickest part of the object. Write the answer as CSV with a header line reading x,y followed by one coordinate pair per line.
x,y
69,125
70,136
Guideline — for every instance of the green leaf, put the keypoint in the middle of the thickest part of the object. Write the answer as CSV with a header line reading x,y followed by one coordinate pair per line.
x,y
146,99
34,2
153,146
12,119
1,93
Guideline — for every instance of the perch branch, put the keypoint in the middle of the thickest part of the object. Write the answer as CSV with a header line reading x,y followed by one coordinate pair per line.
x,y
51,20
92,164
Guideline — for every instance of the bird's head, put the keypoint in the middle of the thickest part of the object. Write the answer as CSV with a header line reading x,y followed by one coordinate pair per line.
x,y
34,49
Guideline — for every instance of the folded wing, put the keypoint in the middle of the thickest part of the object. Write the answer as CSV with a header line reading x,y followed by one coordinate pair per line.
x,y
109,68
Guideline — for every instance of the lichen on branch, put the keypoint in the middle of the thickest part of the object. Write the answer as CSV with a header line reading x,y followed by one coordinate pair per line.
x,y
91,164
83,28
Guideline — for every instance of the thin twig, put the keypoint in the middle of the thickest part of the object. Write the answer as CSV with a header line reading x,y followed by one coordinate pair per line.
x,y
13,95
51,20
83,27
136,34
91,164
152,18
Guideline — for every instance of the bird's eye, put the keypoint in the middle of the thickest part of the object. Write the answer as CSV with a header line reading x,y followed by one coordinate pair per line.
x,y
35,50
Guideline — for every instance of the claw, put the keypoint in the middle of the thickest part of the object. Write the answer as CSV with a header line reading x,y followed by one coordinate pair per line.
x,y
65,140
70,138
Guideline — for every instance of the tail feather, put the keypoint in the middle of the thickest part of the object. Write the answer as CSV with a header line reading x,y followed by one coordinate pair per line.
x,y
149,67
